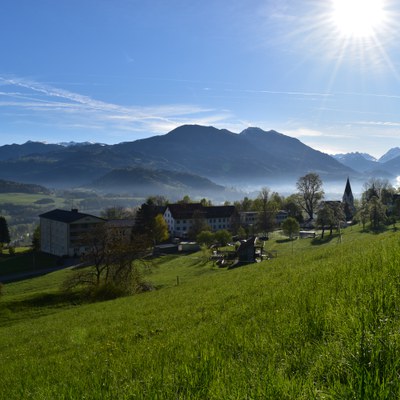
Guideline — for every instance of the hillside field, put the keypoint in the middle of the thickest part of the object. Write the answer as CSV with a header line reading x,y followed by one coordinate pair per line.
x,y
320,321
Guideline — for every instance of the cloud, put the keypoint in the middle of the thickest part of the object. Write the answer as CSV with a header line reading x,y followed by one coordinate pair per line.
x,y
304,132
70,109
379,123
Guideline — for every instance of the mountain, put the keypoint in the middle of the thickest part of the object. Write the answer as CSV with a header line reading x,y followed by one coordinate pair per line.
x,y
139,181
390,155
13,151
17,187
360,162
253,157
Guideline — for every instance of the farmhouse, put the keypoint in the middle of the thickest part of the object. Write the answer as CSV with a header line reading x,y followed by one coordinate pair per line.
x,y
61,231
180,217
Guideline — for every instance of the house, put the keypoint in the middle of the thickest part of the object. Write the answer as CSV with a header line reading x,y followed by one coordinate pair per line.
x,y
61,231
281,216
180,217
248,218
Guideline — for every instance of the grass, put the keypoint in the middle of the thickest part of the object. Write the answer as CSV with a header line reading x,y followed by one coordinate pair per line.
x,y
24,261
322,322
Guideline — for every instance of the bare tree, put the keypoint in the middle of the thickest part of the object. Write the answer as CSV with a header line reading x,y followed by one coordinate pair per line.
x,y
112,261
310,192
266,209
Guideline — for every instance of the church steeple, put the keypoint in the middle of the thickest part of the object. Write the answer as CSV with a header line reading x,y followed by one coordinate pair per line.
x,y
348,201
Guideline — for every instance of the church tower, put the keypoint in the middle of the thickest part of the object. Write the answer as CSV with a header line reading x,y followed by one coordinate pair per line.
x,y
348,202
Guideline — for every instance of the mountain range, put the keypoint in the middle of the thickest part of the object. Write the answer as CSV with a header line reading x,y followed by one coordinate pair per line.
x,y
189,157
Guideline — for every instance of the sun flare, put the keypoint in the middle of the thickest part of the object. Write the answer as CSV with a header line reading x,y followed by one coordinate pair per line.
x,y
358,18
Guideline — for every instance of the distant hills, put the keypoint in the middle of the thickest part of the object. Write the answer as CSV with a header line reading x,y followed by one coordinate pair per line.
x,y
139,180
189,158
17,187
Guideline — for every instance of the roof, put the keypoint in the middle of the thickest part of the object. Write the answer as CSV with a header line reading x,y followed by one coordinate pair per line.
x,y
186,210
66,216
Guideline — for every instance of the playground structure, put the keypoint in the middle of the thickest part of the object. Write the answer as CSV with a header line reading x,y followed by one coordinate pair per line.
x,y
247,252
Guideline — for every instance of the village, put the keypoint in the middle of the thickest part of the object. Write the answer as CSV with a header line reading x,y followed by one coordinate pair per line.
x,y
185,226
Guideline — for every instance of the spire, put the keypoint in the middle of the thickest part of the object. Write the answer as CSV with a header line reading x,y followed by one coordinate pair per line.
x,y
348,201
347,190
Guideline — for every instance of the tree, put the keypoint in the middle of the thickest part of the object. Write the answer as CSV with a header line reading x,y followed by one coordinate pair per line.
x,y
241,233
36,239
377,212
206,238
160,229
267,210
363,213
291,205
380,188
290,227
326,218
310,192
205,202
113,262
199,224
157,201
145,216
116,212
223,237
4,232
185,200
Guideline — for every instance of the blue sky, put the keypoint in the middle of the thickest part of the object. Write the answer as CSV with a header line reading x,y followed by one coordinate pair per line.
x,y
119,70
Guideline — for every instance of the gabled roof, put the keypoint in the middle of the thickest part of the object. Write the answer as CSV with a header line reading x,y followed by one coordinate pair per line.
x,y
219,211
186,210
66,216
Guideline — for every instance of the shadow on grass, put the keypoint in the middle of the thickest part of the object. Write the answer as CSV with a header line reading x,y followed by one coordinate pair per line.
x,y
287,240
326,239
58,299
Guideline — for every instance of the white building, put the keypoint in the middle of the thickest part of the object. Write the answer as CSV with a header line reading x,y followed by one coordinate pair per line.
x,y
180,217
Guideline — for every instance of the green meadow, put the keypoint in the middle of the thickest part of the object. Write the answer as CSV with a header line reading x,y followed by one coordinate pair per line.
x,y
319,321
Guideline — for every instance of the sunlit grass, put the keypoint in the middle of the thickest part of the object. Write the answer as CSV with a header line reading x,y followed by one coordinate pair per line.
x,y
322,323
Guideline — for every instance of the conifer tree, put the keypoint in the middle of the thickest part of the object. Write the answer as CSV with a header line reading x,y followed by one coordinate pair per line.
x,y
4,232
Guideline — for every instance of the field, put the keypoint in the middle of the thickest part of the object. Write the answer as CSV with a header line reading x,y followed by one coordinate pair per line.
x,y
22,210
320,321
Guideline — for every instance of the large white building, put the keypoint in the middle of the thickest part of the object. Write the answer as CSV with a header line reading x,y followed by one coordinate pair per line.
x,y
180,217
61,231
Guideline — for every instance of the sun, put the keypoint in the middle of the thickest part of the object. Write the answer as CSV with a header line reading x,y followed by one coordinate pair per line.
x,y
358,18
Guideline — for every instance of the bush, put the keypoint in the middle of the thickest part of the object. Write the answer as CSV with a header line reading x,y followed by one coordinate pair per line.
x,y
11,250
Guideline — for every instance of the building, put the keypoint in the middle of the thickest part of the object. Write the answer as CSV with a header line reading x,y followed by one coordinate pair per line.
x,y
61,231
180,217
248,218
122,228
348,202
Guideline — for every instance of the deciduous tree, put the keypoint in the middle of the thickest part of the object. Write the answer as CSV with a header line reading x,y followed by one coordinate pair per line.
x,y
160,229
290,227
113,262
310,192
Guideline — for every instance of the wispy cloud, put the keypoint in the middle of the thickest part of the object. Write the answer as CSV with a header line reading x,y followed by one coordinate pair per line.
x,y
71,109
379,123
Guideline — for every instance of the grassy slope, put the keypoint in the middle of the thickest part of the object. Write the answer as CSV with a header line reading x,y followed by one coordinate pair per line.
x,y
321,323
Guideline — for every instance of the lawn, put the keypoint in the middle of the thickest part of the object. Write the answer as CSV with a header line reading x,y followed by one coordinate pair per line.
x,y
319,322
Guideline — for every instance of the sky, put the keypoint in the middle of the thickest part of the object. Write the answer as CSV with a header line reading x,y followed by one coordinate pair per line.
x,y
110,71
